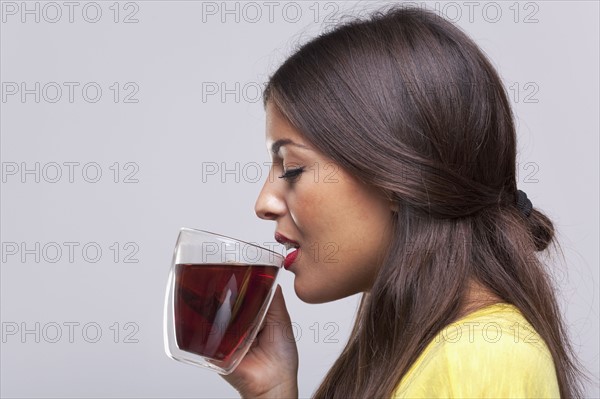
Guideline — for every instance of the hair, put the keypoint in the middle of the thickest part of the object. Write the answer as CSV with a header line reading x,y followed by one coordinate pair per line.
x,y
407,102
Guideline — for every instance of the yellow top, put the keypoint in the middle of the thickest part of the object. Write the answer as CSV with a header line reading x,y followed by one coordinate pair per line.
x,y
490,353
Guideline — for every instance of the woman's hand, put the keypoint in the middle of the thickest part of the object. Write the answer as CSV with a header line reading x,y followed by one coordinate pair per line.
x,y
270,368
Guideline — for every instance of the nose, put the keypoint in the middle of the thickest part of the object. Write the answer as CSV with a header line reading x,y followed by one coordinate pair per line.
x,y
270,204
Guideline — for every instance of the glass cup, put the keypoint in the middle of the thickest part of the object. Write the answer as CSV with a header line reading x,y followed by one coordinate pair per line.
x,y
218,293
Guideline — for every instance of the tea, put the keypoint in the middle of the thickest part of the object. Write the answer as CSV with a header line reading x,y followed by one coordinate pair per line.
x,y
216,305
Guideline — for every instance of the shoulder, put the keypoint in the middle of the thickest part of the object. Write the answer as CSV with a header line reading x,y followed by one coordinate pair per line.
x,y
493,352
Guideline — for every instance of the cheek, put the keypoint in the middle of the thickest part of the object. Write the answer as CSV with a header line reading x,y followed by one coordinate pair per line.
x,y
309,209
341,213
361,230
343,228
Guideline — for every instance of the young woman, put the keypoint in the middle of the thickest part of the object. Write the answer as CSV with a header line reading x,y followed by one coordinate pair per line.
x,y
394,144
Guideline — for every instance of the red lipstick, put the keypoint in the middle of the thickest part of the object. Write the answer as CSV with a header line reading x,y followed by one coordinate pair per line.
x,y
280,238
291,257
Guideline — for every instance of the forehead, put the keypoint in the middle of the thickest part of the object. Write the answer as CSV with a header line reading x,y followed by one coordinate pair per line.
x,y
277,124
280,133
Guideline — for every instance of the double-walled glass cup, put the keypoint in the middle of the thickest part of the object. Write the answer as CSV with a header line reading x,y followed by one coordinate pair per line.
x,y
218,293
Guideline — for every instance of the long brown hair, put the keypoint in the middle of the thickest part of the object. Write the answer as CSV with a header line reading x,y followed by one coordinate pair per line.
x,y
407,103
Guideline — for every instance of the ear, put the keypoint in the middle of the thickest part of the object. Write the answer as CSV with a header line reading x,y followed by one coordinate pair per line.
x,y
393,204
394,207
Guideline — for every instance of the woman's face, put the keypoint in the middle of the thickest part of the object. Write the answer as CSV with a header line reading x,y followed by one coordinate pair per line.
x,y
341,225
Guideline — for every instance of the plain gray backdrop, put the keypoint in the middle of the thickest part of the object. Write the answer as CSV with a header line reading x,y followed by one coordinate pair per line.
x,y
122,122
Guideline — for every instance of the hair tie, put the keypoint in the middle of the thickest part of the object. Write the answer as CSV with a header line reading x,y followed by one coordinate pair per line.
x,y
523,203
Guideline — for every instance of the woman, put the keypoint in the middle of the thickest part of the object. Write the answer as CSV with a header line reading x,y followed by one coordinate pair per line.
x,y
394,144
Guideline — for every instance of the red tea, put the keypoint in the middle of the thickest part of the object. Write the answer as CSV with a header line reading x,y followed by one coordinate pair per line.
x,y
216,305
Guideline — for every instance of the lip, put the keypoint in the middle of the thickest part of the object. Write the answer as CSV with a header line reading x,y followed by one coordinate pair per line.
x,y
290,258
289,243
280,238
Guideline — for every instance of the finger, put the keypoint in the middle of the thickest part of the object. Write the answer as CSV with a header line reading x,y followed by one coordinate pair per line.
x,y
278,310
276,319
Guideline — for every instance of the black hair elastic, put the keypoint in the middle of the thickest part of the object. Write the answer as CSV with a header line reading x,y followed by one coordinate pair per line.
x,y
523,203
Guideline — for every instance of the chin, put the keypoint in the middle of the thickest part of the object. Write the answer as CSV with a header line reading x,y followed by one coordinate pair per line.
x,y
309,294
313,294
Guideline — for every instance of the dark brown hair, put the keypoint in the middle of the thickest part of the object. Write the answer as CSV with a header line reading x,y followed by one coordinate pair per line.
x,y
407,103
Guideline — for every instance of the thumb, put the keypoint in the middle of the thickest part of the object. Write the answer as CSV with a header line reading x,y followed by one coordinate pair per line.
x,y
278,312
277,317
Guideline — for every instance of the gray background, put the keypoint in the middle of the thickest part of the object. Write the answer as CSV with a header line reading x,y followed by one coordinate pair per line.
x,y
173,56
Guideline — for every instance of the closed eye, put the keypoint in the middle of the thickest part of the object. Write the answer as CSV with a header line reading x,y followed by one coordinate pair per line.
x,y
292,174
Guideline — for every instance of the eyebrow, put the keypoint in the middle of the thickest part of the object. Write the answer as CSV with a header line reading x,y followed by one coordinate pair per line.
x,y
281,142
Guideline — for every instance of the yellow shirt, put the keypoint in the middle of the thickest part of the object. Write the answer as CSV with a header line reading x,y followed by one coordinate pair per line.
x,y
491,353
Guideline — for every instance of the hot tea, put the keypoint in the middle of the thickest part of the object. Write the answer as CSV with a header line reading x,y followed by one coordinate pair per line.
x,y
216,305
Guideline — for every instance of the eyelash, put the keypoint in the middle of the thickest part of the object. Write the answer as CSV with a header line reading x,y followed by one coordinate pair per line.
x,y
292,174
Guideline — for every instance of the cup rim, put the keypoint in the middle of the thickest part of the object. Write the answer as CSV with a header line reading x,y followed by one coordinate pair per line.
x,y
190,229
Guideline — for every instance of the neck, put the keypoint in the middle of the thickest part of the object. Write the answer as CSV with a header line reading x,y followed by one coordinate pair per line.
x,y
477,296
